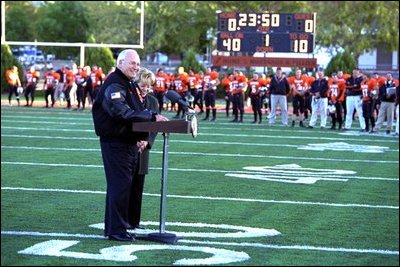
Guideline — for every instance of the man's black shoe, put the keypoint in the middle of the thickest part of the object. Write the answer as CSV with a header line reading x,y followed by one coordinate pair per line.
x,y
122,237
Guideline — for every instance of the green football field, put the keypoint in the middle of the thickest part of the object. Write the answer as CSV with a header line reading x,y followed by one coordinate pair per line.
x,y
238,194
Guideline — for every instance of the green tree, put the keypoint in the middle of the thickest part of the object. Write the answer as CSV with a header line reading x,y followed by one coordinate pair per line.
x,y
114,22
19,17
190,62
62,21
7,61
357,26
342,61
99,56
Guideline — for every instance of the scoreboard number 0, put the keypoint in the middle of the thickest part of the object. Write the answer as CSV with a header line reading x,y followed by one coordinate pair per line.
x,y
309,25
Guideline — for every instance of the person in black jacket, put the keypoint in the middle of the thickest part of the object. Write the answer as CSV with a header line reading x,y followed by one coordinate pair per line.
x,y
387,96
319,100
279,88
118,105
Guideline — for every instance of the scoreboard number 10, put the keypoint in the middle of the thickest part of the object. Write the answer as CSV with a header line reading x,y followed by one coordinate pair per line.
x,y
299,46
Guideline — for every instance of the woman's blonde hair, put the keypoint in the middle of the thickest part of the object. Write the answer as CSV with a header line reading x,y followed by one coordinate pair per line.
x,y
146,77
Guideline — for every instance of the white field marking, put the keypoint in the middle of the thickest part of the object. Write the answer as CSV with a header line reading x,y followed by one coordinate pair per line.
x,y
257,127
264,144
367,148
124,253
238,127
47,122
342,146
204,154
213,134
48,129
242,231
212,198
284,179
291,171
276,173
47,118
50,137
295,247
241,244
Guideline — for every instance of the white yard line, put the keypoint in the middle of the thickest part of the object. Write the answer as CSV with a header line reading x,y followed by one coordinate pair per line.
x,y
217,155
201,170
263,144
290,202
301,137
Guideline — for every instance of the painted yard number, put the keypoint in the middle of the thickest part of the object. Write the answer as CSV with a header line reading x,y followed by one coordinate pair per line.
x,y
125,252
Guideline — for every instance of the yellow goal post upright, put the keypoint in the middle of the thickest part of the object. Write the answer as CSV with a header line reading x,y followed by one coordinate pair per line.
x,y
66,44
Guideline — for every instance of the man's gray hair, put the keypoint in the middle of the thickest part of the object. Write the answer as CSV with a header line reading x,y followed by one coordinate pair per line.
x,y
122,55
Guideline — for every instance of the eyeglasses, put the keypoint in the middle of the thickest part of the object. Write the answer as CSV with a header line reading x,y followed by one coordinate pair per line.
x,y
132,63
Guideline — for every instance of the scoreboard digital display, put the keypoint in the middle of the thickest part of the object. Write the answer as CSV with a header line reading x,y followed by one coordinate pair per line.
x,y
266,32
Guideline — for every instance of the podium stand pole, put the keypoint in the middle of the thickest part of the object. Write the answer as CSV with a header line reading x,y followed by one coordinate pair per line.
x,y
162,236
164,176
189,125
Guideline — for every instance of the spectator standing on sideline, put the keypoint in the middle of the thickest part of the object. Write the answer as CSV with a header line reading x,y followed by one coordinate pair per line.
x,y
279,88
13,82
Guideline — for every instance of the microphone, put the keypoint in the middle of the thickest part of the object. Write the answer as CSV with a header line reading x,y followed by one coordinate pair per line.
x,y
175,97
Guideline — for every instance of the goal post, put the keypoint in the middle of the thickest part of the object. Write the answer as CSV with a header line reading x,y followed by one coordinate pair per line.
x,y
66,44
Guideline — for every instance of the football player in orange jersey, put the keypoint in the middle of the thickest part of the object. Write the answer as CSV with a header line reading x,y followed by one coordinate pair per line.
x,y
96,77
198,97
299,87
307,98
81,79
380,81
160,86
192,82
49,87
181,87
69,82
227,83
336,99
31,80
264,91
210,95
13,82
238,87
255,97
367,87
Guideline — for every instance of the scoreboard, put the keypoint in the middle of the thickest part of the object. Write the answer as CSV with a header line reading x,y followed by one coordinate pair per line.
x,y
266,32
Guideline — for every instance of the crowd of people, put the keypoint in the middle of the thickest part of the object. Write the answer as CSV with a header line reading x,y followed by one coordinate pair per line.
x,y
341,96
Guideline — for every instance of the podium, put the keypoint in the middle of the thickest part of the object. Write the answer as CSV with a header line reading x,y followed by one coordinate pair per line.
x,y
187,126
